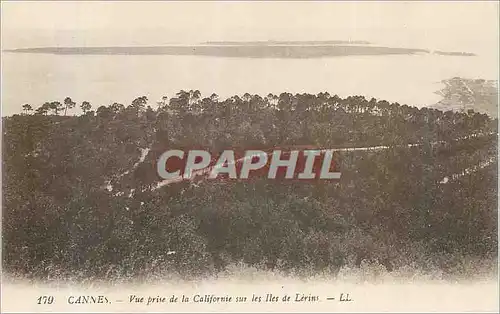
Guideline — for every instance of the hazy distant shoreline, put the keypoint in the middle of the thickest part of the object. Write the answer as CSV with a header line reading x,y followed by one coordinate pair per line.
x,y
461,94
295,50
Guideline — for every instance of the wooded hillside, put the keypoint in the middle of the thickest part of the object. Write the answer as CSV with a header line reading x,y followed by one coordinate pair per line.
x,y
81,195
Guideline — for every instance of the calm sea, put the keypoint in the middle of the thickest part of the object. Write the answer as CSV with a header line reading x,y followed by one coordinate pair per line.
x,y
102,80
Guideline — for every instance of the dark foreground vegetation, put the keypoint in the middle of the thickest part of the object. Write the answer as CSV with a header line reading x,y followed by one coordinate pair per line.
x,y
79,202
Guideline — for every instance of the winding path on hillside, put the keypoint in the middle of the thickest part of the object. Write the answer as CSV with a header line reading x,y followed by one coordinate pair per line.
x,y
204,172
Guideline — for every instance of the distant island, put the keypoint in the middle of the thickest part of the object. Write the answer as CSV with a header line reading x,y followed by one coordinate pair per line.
x,y
253,49
82,198
290,42
447,53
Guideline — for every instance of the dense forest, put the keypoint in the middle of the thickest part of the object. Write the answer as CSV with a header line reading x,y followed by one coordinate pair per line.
x,y
81,197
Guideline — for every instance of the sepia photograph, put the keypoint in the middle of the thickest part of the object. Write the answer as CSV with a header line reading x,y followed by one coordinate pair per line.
x,y
249,156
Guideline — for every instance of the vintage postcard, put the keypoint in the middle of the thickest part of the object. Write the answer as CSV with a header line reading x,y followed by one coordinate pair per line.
x,y
249,156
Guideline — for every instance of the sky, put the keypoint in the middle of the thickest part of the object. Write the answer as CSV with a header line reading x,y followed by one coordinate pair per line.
x,y
448,25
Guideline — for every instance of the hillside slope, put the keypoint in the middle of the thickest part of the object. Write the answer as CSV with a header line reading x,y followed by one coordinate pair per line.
x,y
81,196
